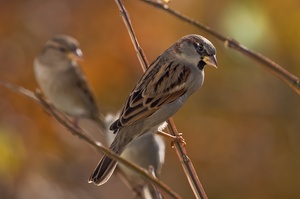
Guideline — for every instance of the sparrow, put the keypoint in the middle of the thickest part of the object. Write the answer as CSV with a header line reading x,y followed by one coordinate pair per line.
x,y
160,92
147,151
62,81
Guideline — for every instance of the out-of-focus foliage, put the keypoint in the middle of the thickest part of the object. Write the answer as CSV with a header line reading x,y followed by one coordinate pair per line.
x,y
242,127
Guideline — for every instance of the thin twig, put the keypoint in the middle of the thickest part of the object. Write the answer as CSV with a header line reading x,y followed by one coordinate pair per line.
x,y
275,68
181,152
139,51
87,138
20,90
187,164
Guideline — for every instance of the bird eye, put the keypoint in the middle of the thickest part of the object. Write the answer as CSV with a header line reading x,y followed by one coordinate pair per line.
x,y
62,49
200,48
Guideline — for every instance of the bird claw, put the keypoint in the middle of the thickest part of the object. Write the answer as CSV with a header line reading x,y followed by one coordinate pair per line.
x,y
179,139
174,138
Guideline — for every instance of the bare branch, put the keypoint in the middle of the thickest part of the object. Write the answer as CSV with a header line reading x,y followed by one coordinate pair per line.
x,y
139,51
19,90
275,68
187,165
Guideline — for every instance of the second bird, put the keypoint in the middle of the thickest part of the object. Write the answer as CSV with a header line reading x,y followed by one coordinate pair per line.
x,y
159,94
62,81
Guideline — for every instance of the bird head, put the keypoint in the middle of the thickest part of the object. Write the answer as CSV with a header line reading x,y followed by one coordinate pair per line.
x,y
197,50
63,47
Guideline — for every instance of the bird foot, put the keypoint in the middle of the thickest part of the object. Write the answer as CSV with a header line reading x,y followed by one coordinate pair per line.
x,y
174,138
179,139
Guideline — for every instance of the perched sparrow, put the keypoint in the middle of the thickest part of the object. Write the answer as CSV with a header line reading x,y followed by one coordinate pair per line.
x,y
160,93
62,81
147,151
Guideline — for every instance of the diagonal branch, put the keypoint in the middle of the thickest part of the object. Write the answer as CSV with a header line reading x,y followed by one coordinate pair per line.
x,y
187,164
275,68
180,150
87,138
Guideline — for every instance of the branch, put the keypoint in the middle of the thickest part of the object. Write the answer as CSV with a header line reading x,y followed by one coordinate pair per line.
x,y
187,164
275,68
82,135
139,51
180,150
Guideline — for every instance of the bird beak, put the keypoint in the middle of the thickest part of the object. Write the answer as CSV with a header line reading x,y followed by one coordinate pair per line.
x,y
211,60
76,55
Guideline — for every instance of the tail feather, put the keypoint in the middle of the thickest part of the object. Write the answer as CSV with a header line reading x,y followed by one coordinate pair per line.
x,y
103,171
106,166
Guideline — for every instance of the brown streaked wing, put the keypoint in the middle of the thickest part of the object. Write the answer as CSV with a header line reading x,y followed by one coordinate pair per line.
x,y
84,87
133,111
135,99
166,86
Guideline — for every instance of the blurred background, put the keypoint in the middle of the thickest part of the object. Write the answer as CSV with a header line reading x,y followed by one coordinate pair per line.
x,y
242,128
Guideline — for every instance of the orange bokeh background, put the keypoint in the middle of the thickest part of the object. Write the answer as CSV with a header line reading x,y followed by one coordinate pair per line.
x,y
242,128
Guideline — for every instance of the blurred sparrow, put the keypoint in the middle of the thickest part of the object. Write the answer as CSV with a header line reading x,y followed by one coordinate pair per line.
x,y
147,151
62,81
160,93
